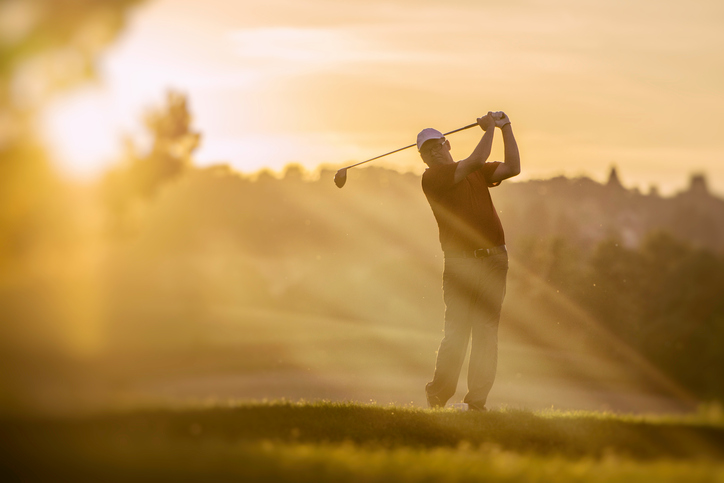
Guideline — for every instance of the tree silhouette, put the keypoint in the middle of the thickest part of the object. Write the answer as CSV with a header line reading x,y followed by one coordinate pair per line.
x,y
141,176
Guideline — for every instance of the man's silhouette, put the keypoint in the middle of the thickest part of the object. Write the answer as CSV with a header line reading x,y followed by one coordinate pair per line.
x,y
476,260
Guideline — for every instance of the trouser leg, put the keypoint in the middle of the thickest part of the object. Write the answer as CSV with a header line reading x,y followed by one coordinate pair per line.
x,y
484,324
458,290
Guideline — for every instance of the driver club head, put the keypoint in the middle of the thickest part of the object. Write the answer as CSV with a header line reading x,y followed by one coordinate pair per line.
x,y
341,177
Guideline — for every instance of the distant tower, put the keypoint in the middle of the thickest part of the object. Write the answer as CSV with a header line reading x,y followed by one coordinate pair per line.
x,y
613,181
698,185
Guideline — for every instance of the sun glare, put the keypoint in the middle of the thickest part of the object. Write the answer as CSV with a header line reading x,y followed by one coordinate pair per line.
x,y
82,129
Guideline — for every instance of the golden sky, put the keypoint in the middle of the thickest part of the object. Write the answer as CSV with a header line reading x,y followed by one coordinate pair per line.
x,y
587,84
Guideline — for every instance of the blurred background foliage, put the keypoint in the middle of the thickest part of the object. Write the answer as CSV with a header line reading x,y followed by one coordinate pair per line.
x,y
164,270
46,46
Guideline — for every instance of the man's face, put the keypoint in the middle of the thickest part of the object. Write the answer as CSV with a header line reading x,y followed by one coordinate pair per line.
x,y
437,151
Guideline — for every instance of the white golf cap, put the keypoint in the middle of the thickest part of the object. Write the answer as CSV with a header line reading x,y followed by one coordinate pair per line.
x,y
427,134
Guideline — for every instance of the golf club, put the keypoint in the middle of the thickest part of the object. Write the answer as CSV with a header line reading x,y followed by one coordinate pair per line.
x,y
341,177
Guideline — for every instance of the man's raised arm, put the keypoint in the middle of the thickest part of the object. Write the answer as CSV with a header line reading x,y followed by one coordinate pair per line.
x,y
481,152
511,165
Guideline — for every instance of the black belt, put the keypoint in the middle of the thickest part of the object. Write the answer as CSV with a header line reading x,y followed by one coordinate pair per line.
x,y
479,253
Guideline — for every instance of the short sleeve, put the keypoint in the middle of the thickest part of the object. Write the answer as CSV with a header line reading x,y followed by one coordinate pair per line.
x,y
488,170
438,179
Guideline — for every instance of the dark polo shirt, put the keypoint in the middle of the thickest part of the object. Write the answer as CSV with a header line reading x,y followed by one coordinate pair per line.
x,y
465,214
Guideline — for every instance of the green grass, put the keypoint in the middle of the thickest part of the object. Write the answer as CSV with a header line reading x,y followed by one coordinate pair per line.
x,y
347,442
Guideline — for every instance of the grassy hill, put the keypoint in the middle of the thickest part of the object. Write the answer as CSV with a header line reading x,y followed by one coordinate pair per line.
x,y
348,442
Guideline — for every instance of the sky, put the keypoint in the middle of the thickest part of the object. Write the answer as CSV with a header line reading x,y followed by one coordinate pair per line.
x,y
586,84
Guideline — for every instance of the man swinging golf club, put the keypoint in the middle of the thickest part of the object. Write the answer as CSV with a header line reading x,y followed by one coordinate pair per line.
x,y
476,260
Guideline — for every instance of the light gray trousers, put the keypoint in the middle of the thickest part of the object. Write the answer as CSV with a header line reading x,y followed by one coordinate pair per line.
x,y
473,291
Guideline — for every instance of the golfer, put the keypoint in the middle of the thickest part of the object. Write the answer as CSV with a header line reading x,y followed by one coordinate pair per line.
x,y
476,260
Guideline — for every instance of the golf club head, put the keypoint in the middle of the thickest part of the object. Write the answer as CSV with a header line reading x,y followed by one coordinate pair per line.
x,y
341,177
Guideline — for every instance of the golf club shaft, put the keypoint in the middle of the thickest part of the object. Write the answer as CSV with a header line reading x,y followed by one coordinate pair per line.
x,y
407,147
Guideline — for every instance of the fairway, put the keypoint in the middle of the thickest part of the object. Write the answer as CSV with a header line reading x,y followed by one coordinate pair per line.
x,y
256,354
283,441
